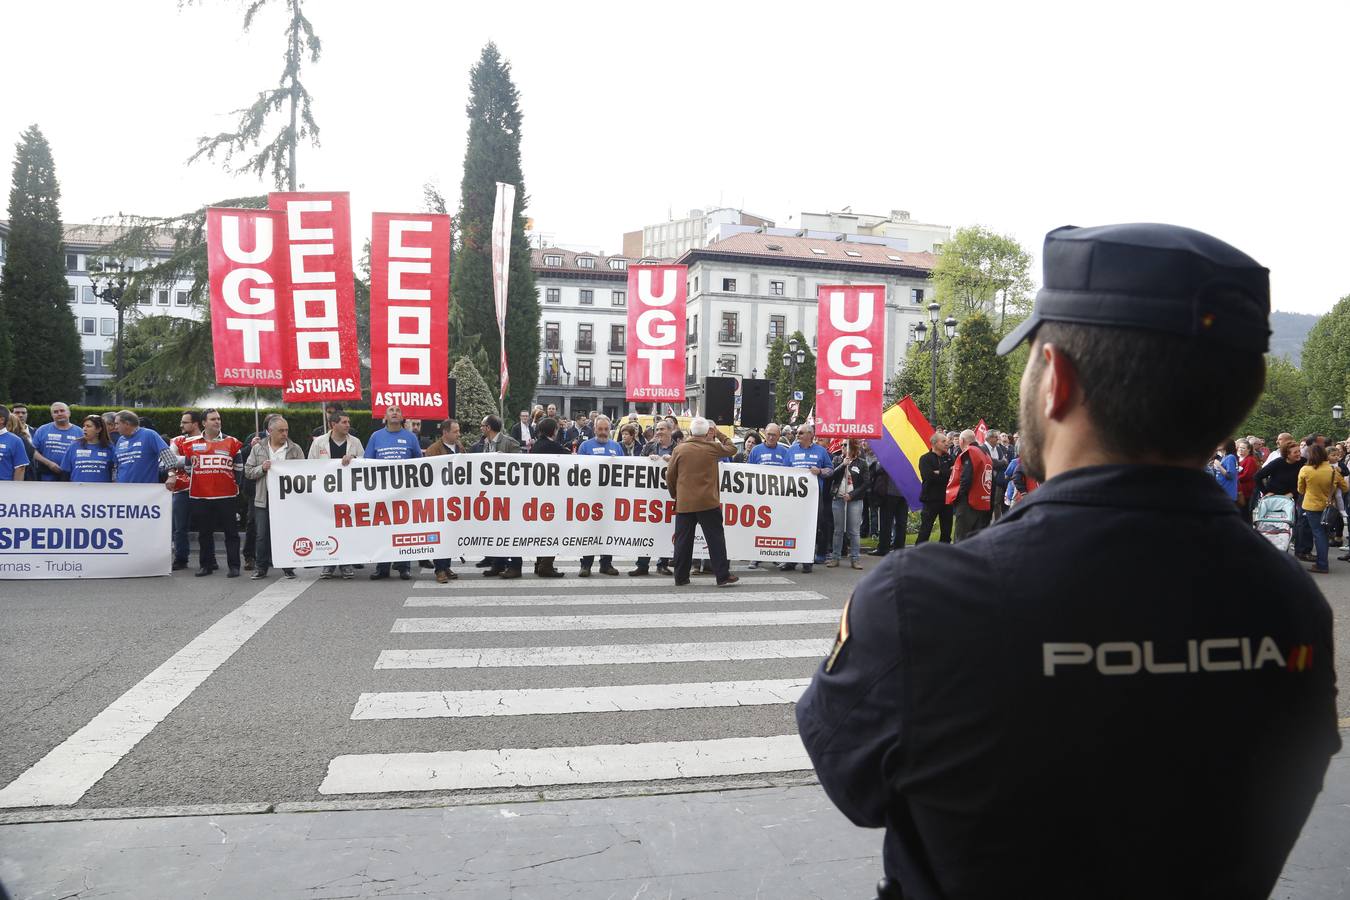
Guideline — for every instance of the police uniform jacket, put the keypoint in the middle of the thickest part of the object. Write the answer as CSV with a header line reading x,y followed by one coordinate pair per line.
x,y
1071,705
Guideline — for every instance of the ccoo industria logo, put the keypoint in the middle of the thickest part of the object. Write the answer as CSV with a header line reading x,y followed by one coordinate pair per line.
x,y
416,538
776,543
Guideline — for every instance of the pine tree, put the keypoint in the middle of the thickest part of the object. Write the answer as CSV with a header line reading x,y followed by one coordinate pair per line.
x,y
493,155
979,379
473,398
42,363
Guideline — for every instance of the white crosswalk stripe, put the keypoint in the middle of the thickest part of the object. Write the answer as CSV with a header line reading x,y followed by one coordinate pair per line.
x,y
758,673
601,654
613,599
550,701
466,625
605,763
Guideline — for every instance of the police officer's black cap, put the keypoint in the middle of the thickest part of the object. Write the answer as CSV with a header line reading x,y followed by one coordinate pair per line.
x,y
1152,277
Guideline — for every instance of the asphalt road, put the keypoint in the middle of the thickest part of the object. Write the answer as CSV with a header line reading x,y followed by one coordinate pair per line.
x,y
267,723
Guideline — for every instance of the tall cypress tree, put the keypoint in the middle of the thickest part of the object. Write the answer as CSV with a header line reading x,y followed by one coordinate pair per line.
x,y
493,155
34,293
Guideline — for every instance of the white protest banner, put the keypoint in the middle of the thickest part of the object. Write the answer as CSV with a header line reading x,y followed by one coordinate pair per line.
x,y
65,530
503,504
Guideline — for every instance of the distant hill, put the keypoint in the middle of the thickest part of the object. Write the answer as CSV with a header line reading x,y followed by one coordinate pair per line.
x,y
1290,330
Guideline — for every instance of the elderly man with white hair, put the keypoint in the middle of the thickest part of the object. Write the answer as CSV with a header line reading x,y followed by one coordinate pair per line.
x,y
970,489
692,477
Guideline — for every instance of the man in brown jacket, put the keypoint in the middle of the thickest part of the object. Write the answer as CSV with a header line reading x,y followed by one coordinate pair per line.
x,y
692,477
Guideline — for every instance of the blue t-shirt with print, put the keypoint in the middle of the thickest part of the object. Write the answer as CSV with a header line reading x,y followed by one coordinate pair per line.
x,y
816,456
138,457
90,463
53,442
386,444
12,455
764,455
592,447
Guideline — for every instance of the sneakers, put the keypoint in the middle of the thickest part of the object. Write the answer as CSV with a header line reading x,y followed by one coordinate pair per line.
x,y
877,552
832,564
788,567
346,572
327,572
289,573
855,564
753,565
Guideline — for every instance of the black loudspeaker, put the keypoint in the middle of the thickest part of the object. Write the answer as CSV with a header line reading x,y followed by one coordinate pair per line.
x,y
719,400
757,402
450,398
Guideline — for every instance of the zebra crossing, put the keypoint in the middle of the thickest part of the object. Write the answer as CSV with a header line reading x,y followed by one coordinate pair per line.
x,y
459,637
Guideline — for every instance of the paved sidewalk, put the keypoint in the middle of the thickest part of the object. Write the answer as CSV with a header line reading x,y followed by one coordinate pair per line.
x,y
781,843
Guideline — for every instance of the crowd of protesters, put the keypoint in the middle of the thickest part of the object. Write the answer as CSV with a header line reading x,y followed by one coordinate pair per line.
x,y
967,481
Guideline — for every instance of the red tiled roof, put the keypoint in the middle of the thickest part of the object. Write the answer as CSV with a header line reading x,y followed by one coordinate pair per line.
x,y
98,235
762,245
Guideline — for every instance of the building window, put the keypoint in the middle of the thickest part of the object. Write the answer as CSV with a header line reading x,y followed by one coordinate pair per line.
x,y
74,295
777,328
695,284
163,297
619,264
101,359
72,262
616,374
552,341
144,298
89,359
616,336
585,262
87,294
553,260
729,285
916,295
552,295
727,364
854,253
729,332
107,327
87,326
776,288
618,298
180,298
817,251
912,335
584,372
587,297
585,339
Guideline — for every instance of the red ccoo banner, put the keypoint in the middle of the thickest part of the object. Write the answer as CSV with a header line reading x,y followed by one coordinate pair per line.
x,y
656,297
409,305
850,383
318,308
246,266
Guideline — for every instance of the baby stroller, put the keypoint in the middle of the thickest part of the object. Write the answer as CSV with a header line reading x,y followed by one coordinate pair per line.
x,y
1274,517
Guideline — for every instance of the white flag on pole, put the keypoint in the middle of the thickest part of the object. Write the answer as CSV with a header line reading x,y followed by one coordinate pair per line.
x,y
502,219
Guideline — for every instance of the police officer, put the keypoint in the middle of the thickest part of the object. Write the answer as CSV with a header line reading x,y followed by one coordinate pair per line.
x,y
1115,707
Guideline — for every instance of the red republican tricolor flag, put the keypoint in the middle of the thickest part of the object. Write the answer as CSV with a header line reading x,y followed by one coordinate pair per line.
x,y
409,306
981,432
318,305
850,383
246,265
656,328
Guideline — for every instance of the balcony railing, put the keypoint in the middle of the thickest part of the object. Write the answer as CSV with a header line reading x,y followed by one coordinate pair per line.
x,y
584,381
728,337
691,339
552,343
584,346
617,348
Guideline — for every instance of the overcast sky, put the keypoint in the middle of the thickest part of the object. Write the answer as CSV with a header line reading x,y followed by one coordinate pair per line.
x,y
1228,117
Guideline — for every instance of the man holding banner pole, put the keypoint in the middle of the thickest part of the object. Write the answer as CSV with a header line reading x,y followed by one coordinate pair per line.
x,y
692,477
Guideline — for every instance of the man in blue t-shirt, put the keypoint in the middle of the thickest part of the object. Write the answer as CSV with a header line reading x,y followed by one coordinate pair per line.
x,y
51,441
393,441
137,450
807,454
13,456
771,452
600,445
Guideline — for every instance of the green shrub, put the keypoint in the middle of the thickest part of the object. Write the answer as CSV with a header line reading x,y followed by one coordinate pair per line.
x,y
235,420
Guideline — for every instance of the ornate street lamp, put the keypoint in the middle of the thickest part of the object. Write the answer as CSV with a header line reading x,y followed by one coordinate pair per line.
x,y
110,285
921,333
793,357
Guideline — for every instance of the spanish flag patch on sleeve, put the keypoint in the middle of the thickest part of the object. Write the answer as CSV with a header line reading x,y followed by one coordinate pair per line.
x,y
840,639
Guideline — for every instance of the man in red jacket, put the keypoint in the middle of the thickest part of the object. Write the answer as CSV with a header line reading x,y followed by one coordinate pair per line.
x,y
971,487
213,460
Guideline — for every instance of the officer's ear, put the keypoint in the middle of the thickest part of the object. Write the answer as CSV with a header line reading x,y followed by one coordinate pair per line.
x,y
1059,389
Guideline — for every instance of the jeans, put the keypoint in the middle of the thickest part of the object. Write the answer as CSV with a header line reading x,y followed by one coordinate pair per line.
x,y
1303,538
824,525
182,549
262,548
710,520
939,512
847,516
1319,535
894,523
251,533
606,562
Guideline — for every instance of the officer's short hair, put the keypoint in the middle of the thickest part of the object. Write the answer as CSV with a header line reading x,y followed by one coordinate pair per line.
x,y
1153,389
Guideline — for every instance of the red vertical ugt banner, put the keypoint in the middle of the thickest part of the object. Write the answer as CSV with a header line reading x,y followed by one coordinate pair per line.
x,y
318,310
409,305
850,382
246,266
656,298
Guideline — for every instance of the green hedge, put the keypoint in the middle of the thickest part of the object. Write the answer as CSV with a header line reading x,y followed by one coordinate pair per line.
x,y
236,421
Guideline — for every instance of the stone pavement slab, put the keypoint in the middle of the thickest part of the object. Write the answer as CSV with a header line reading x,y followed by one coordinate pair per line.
x,y
775,842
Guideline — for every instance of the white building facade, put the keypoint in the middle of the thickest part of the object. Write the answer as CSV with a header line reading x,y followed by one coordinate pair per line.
x,y
904,233
96,320
746,291
668,240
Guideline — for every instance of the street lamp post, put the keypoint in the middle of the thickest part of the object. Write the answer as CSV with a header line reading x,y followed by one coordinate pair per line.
x,y
793,357
110,285
1337,411
921,332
